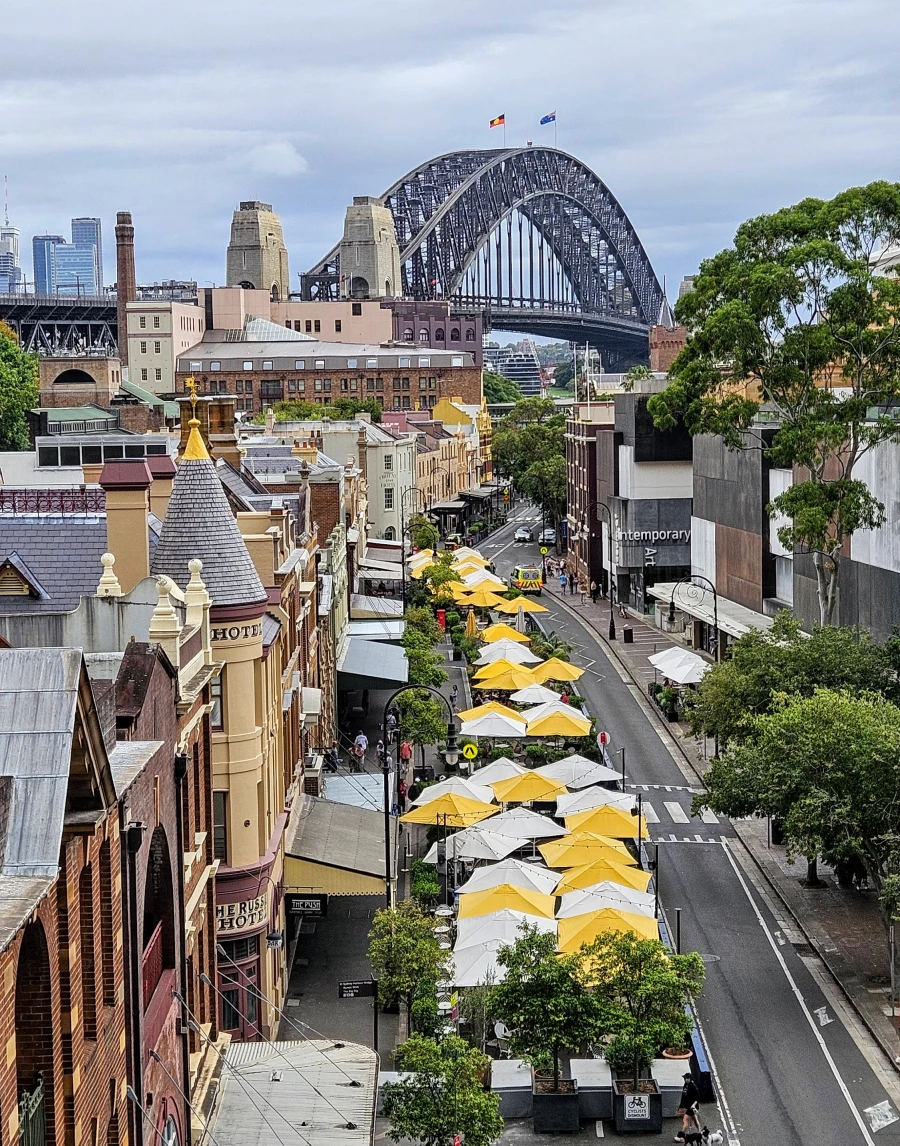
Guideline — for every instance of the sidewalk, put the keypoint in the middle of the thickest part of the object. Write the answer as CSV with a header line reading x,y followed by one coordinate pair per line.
x,y
843,926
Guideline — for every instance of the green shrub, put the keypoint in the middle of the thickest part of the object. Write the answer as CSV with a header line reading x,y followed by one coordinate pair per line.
x,y
457,634
452,619
424,883
535,755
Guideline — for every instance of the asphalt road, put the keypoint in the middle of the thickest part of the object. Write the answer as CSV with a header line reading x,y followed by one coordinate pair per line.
x,y
794,1068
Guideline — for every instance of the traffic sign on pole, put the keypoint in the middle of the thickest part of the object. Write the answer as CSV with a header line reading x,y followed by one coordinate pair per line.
x,y
470,751
602,739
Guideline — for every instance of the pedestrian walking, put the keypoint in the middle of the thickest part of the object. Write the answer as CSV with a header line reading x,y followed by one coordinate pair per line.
x,y
391,726
571,584
454,696
360,748
401,793
563,581
406,752
689,1107
582,585
595,589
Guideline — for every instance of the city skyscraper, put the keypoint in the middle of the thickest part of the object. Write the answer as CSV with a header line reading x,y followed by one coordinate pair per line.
x,y
74,268
10,268
87,230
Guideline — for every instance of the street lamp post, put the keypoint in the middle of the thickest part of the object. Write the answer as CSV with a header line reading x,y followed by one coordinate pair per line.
x,y
586,531
451,755
691,579
403,499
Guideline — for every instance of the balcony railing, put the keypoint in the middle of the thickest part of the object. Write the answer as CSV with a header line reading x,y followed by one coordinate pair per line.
x,y
152,964
32,1122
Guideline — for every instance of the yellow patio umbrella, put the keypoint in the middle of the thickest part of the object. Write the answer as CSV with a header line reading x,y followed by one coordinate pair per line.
x,y
585,847
492,706
450,810
418,570
555,669
524,603
505,896
577,878
510,681
559,723
501,631
471,625
608,820
470,559
458,590
481,598
579,929
529,786
495,668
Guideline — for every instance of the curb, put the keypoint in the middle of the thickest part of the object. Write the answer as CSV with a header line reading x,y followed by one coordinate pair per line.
x,y
890,1052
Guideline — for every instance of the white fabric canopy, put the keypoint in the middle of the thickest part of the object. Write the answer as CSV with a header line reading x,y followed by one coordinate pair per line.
x,y
476,843
540,710
493,724
578,772
501,769
507,650
680,665
593,797
483,577
524,824
516,872
458,786
603,895
535,694
477,965
499,927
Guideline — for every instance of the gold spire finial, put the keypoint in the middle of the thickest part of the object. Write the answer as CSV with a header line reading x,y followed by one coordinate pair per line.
x,y
195,450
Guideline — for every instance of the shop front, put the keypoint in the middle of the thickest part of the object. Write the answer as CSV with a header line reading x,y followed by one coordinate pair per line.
x,y
652,543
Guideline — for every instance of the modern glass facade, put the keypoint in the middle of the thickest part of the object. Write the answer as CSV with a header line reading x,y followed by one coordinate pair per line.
x,y
10,271
75,269
42,247
87,231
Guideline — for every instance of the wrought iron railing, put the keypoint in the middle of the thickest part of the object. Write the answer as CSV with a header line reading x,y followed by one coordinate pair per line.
x,y
52,501
32,1119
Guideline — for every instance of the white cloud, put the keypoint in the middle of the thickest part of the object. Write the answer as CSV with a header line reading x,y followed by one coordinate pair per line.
x,y
276,158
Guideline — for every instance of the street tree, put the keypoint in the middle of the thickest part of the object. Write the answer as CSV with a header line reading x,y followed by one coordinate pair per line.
x,y
546,483
19,390
543,1000
423,533
422,720
500,389
405,955
799,320
827,766
642,990
532,431
783,659
424,665
442,1095
421,619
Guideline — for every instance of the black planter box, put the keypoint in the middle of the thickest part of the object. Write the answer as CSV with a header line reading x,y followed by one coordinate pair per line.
x,y
556,1112
648,1121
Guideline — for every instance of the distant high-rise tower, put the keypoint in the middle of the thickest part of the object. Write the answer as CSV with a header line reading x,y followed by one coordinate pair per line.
x,y
370,257
10,268
86,232
42,249
257,258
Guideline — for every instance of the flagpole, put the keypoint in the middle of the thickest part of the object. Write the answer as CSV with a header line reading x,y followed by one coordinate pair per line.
x,y
554,131
504,133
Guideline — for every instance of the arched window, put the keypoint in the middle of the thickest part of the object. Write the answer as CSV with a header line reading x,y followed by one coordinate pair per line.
x,y
34,1036
423,336
387,288
439,334
275,292
470,335
454,334
409,334
389,533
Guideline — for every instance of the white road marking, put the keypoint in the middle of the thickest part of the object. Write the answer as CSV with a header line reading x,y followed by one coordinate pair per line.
x,y
881,1115
823,1016
598,1128
798,995
675,810
649,813
781,939
709,817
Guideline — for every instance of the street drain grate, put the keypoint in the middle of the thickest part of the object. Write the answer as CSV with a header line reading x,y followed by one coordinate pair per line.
x,y
803,949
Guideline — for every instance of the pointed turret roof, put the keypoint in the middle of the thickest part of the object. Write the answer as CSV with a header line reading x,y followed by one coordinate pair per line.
x,y
199,523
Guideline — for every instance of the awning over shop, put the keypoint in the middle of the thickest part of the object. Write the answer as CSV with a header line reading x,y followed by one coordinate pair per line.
x,y
381,566
335,848
380,571
364,608
447,506
376,630
697,602
479,492
371,664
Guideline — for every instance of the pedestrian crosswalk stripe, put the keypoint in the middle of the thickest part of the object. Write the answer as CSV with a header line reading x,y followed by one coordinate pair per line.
x,y
665,788
649,813
709,817
678,814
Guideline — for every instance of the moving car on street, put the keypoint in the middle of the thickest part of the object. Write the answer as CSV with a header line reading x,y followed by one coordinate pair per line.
x,y
548,536
524,533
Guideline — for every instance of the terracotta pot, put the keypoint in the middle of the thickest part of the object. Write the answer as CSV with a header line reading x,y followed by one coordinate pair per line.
x,y
671,1052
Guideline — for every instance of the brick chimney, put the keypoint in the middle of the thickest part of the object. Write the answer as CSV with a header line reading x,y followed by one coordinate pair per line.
x,y
127,487
666,343
126,284
162,470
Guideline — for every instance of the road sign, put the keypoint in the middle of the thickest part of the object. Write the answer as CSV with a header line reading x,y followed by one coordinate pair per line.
x,y
314,905
544,551
602,739
637,1106
358,989
470,751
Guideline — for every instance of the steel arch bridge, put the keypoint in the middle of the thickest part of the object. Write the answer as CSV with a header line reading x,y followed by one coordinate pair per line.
x,y
530,237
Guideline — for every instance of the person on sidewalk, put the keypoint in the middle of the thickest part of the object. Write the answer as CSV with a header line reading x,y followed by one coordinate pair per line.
x,y
406,754
595,589
582,586
689,1107
391,726
571,584
360,748
563,582
454,696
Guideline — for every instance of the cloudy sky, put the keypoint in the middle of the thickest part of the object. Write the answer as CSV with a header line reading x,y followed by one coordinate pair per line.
x,y
696,113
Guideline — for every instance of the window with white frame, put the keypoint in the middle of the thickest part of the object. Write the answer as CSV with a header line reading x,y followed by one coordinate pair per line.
x,y
247,365
389,497
424,361
388,462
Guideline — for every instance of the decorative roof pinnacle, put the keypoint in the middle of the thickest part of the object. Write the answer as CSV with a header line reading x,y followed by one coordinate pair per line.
x,y
195,450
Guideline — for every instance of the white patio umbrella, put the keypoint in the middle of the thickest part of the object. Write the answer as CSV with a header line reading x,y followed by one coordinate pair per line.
x,y
516,872
593,797
540,710
499,927
483,577
578,772
535,694
460,787
474,966
501,769
524,824
493,724
476,843
606,894
680,665
510,651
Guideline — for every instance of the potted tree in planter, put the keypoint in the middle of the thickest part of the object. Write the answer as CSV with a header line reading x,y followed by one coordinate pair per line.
x,y
641,990
405,955
548,1009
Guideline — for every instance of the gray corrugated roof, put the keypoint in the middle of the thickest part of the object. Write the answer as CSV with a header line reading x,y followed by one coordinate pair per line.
x,y
199,523
19,896
128,759
38,695
277,1085
337,834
